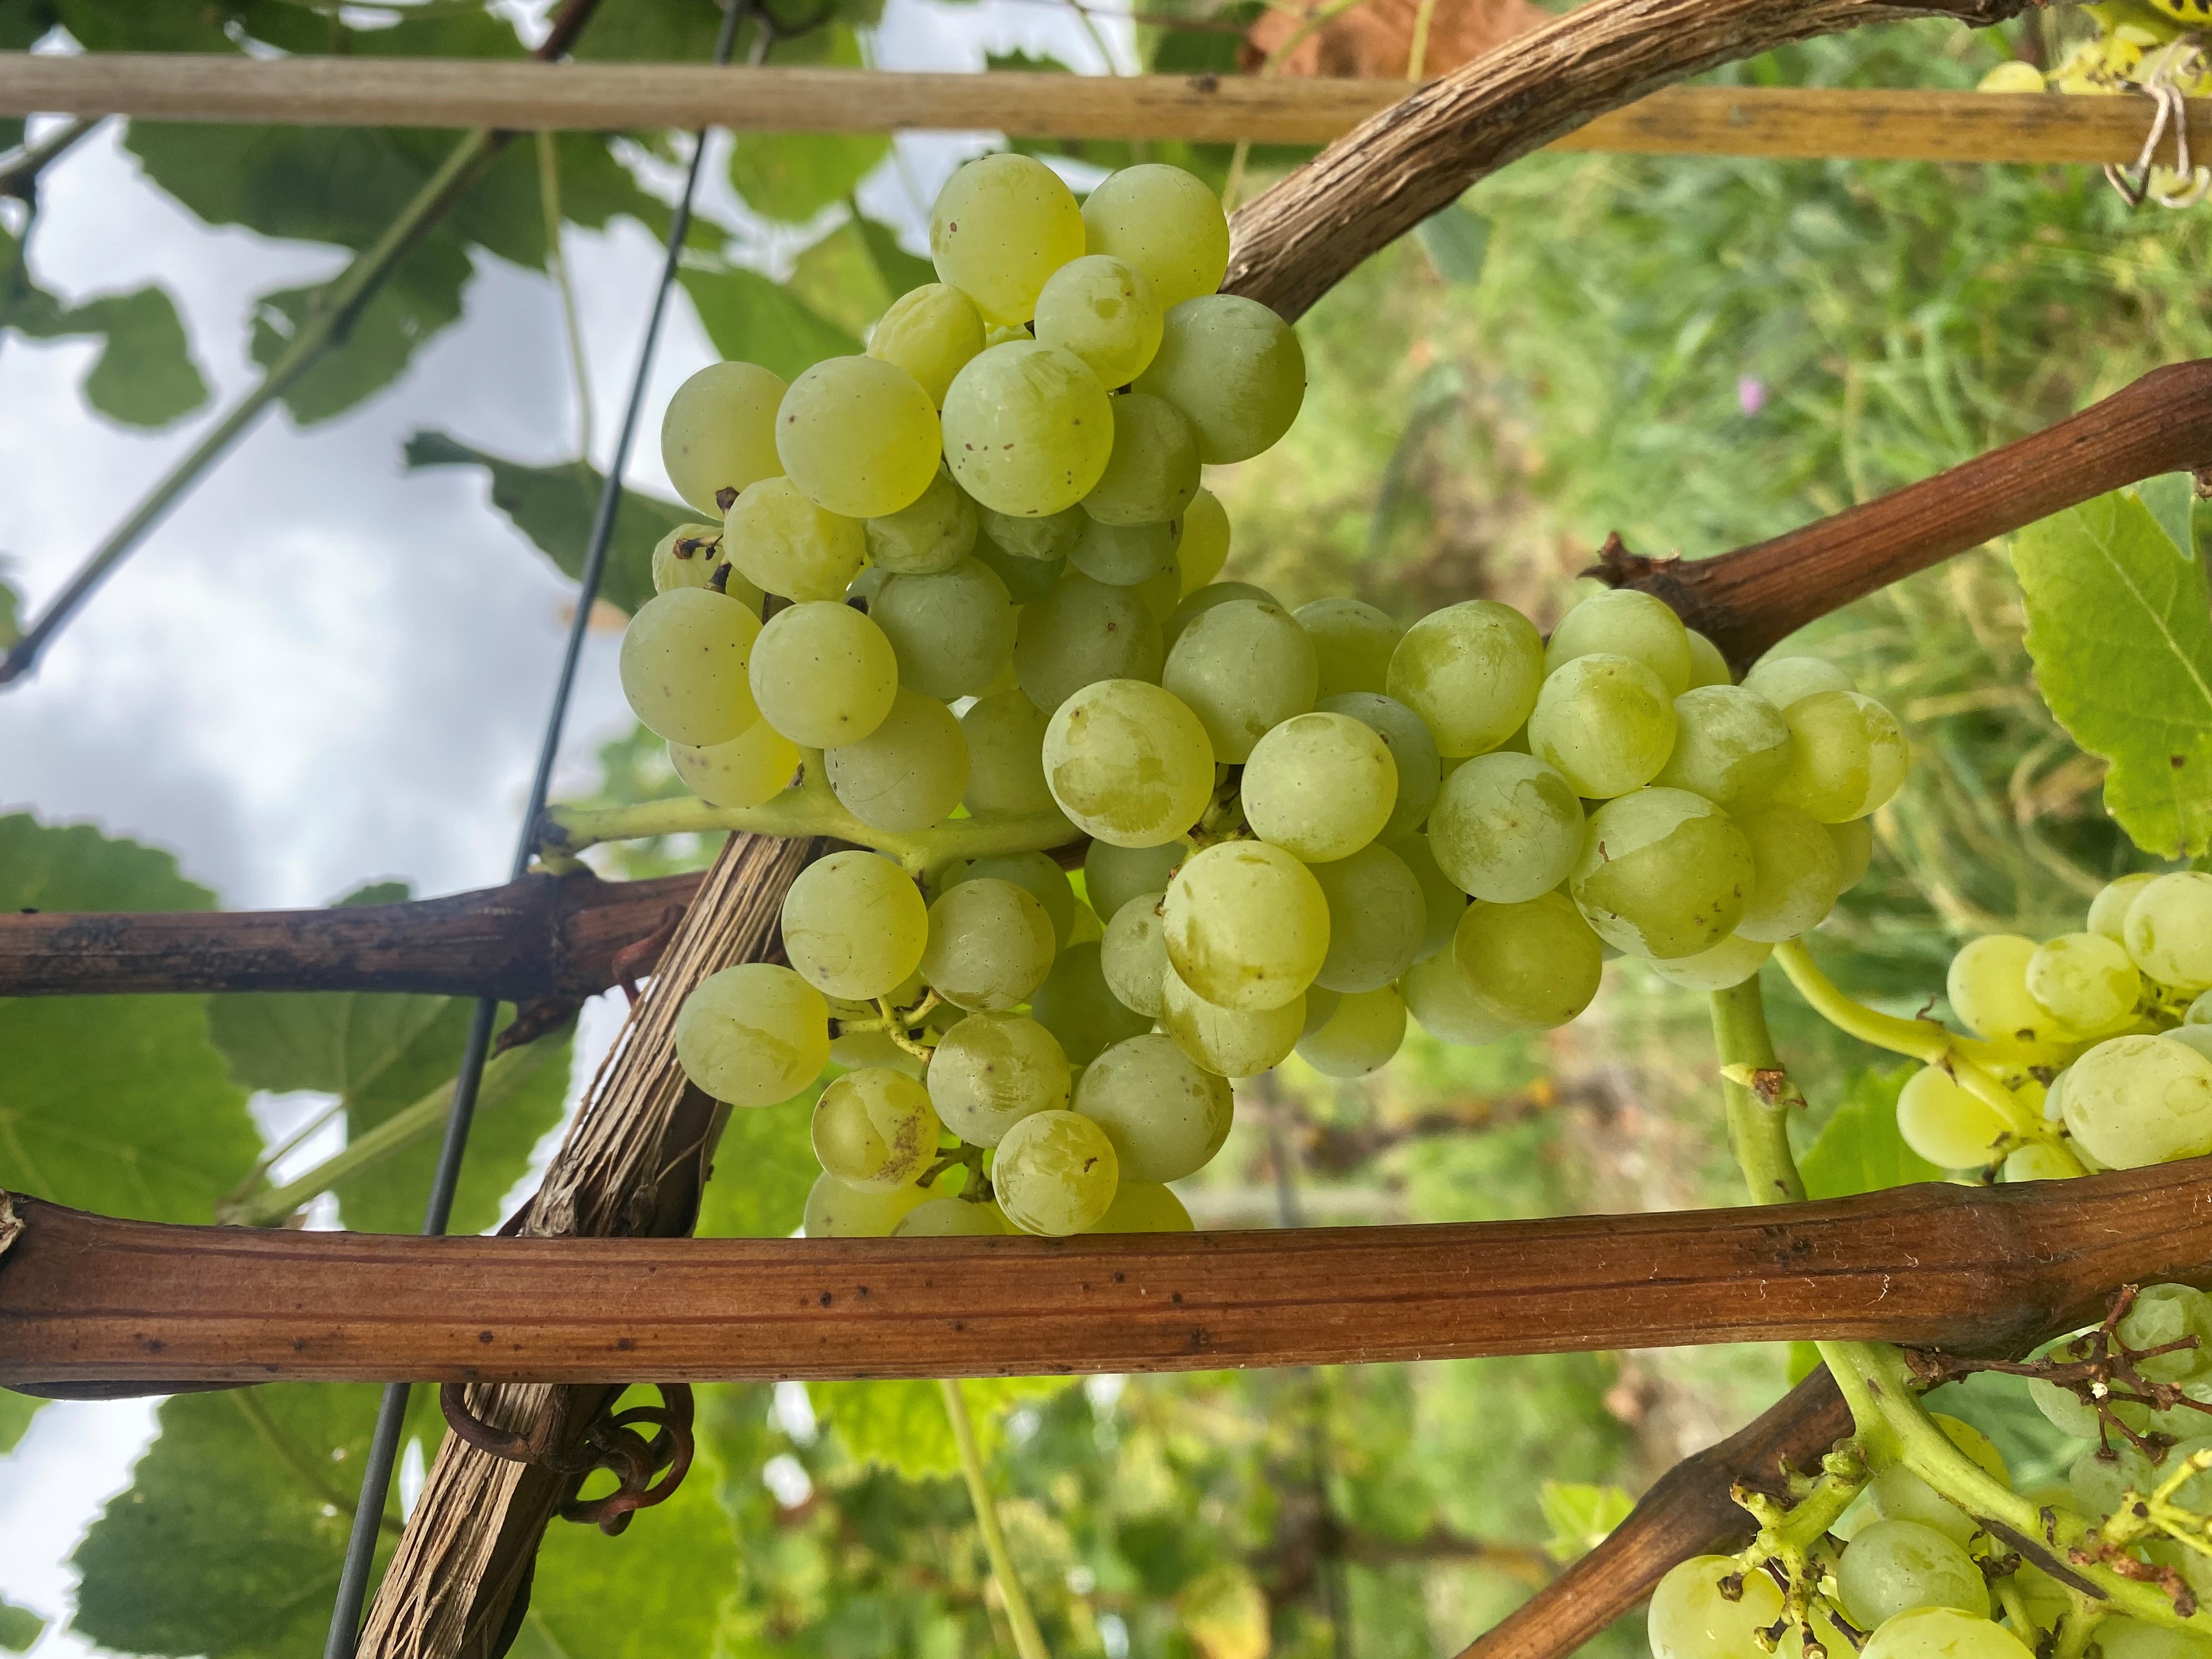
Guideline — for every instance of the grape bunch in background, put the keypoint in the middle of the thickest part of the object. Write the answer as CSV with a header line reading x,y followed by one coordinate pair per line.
x,y
1304,828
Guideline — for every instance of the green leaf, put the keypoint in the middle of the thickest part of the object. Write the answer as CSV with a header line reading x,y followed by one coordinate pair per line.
x,y
1581,1516
764,1166
793,176
753,319
144,375
17,1411
902,1424
902,272
419,299
2120,631
11,614
19,1627
553,505
1859,1149
74,867
1457,240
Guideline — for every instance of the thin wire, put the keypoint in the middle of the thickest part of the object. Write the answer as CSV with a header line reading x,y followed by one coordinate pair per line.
x,y
392,1411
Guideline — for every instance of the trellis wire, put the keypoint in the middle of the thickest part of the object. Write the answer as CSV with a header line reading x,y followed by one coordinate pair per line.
x,y
392,1410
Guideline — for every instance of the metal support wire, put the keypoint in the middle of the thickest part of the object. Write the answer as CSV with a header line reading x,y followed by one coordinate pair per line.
x,y
392,1411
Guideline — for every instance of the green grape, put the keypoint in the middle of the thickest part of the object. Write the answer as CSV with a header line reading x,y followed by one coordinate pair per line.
x,y
782,543
1625,622
1028,429
1784,680
1898,1494
1143,1206
951,632
753,1034
1378,920
1129,763
875,1130
1942,1634
908,774
1534,965
1164,1114
1445,1005
1413,751
1045,538
1506,827
1353,642
1471,672
991,1071
1320,786
2136,1100
1112,875
1054,1174
1203,548
1849,756
1730,963
1127,556
1081,633
1795,875
2169,929
2161,1314
1243,668
1691,1618
2099,1483
823,674
952,1218
2066,1410
1027,580
1445,899
2199,1012
1321,1004
1247,926
1152,474
837,1211
1006,755
752,768
1854,850
1103,310
1228,1041
2087,983
1360,1035
933,534
858,436
1035,873
1160,591
1707,665
1731,745
931,332
683,666
1950,1126
854,926
720,432
1003,224
1662,873
1987,984
690,555
1895,1564
854,1050
1234,369
2108,911
2037,1162
1077,1005
1133,954
1605,723
1196,602
991,944
2131,1638
1166,223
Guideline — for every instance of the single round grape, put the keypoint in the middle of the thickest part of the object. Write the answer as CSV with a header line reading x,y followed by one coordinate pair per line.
x,y
1731,745
1247,926
2136,1100
931,332
1143,1206
2169,929
1027,580
1163,1113
2108,911
1534,965
1234,369
1164,222
1942,1634
1133,954
2131,1638
1784,680
952,1218
1605,722
1006,755
1353,643
690,555
1444,1004
1228,1041
858,436
2066,1410
1445,898
1200,600
2085,980
1028,429
1987,984
1707,665
1854,850
1895,1564
2162,1315
1127,554
1849,756
834,1210
782,543
2099,1482
1471,672
1795,876
1129,763
1045,538
1003,224
1717,968
1378,920
990,944
1413,751
1506,827
908,774
1360,1036
1691,1618
874,1129
1950,1126
752,768
1076,1004
682,667
1103,310
753,1034
1035,873
1243,668
720,432
2036,1162
1054,1174
991,1071
1898,1494
1320,786
933,534
1152,477
951,632
1083,632
854,924
1662,873
1625,622
1114,875
1203,548
823,674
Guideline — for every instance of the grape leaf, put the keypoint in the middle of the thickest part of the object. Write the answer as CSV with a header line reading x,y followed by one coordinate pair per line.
x,y
1581,1516
902,1424
422,298
853,274
1859,1149
11,614
144,375
763,1167
2121,634
17,1411
753,319
1457,240
792,176
19,1627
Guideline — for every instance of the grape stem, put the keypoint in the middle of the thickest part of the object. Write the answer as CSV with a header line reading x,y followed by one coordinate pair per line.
x,y
1759,1095
1029,1640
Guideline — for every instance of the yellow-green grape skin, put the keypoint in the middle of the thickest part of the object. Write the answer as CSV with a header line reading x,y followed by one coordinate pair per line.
x,y
1083,632
1784,680
1352,643
2108,911
1126,556
1378,920
1731,745
1243,668
931,332
1133,954
750,770
1045,538
2161,1314
1228,1041
1160,591
908,774
2199,1012
1730,963
2133,1101
1535,964
1203,548
1605,723
834,1210
951,632
1028,429
1662,873
1505,827
1707,665
1054,1174
1002,226
952,1218
1691,1618
719,432
1445,899
1795,875
1854,850
1320,786
753,1034
1892,1565
1152,474
1443,1003
683,663
1471,672
1112,875
782,543
1234,369
858,436
1143,1206
2132,1638
1413,751
1625,622
1987,985
1006,755
1360,1036
824,674
1103,310
1951,1127
1898,1494
1247,926
932,533
854,926
680,560
992,1070
1942,1634
991,944
853,1049
1163,1112
1129,763
2169,930
1035,873
1165,222
2013,76
1319,1005
1076,1004
1849,756
2086,981
874,1129
2037,1162
1196,603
